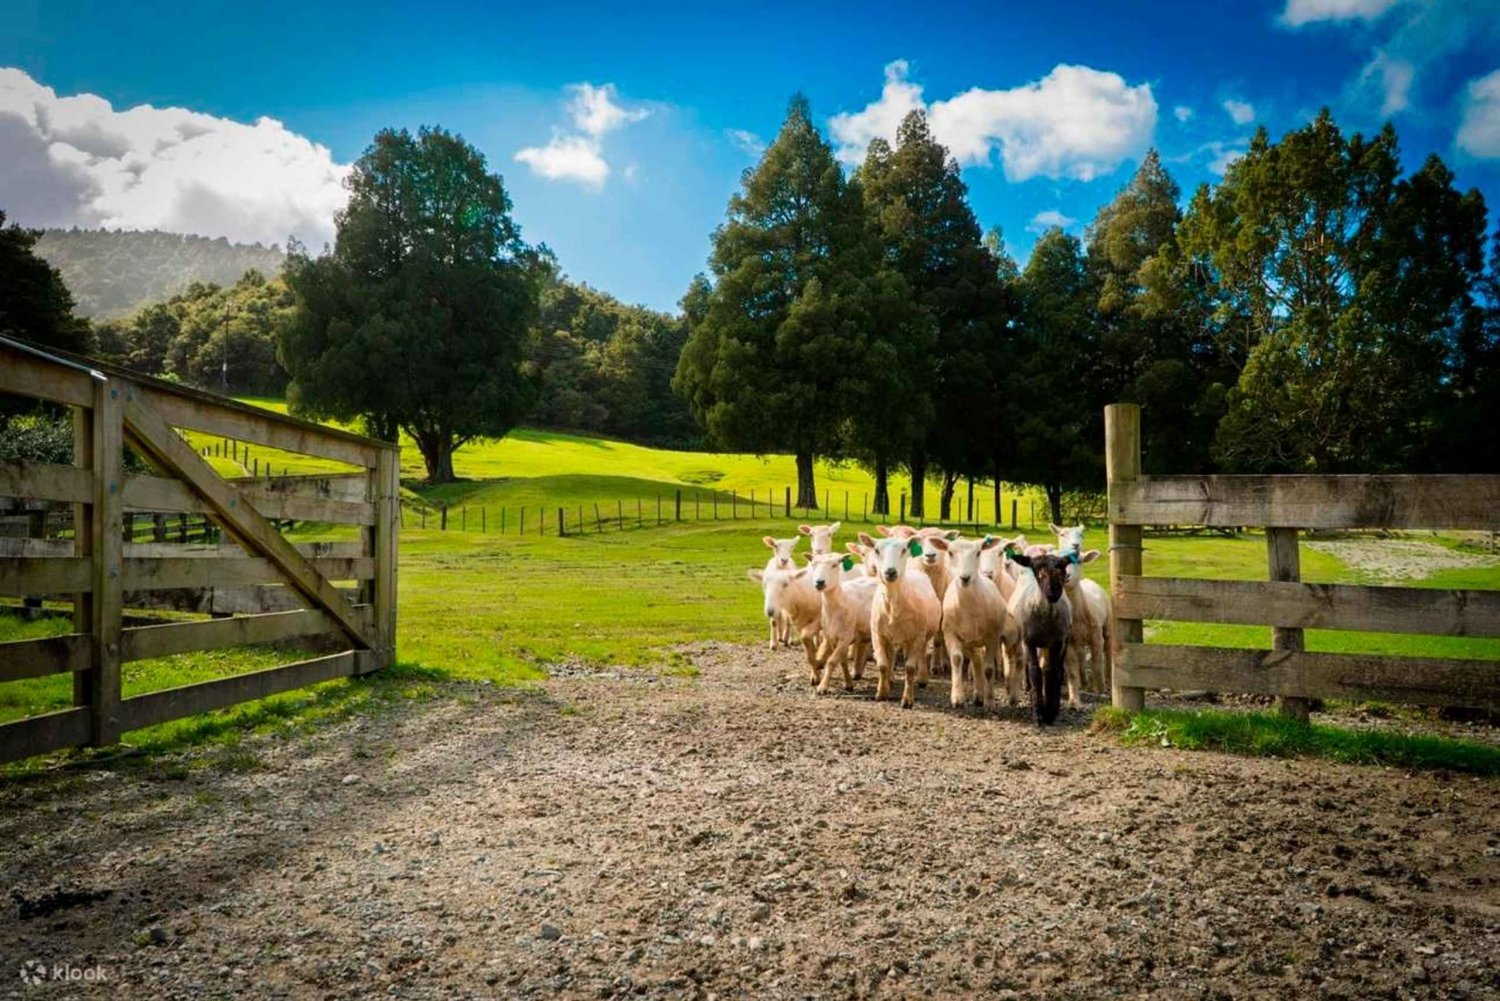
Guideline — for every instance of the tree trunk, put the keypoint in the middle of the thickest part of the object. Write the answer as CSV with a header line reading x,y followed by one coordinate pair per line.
x,y
882,486
437,455
918,483
807,491
1054,500
945,501
999,511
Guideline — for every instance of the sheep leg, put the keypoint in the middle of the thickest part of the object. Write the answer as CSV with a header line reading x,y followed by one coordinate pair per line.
x,y
915,667
956,674
1109,659
810,647
775,621
829,657
1034,679
1074,671
1052,678
861,651
882,668
983,659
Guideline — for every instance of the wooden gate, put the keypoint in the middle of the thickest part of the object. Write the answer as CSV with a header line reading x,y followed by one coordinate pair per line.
x,y
100,573
1282,505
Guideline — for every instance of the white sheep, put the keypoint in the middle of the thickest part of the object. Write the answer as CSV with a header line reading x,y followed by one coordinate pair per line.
x,y
974,618
1045,615
820,536
934,563
780,561
847,599
904,616
1093,627
790,593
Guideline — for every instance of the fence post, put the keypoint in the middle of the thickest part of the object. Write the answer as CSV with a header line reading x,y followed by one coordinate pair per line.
x,y
580,519
598,521
484,521
640,516
562,528
1286,565
463,517
1013,505
84,516
971,499
108,545
679,504
697,506
866,515
902,520
522,531
1122,457
716,505
620,513
387,512
788,502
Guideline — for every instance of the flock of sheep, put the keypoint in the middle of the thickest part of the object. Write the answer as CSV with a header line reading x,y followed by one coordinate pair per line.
x,y
931,598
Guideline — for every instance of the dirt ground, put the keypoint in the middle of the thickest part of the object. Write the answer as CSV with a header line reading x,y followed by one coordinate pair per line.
x,y
731,835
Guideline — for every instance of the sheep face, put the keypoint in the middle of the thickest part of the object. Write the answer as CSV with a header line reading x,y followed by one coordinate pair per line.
x,y
930,537
783,550
772,585
1050,570
968,557
821,536
1069,539
1075,565
891,554
827,570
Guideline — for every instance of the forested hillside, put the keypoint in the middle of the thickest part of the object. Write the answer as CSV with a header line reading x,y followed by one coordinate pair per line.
x,y
112,273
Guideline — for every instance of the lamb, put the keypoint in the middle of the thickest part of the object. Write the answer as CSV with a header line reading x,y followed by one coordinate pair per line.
x,y
821,537
973,620
780,561
1045,615
904,616
1093,626
789,593
846,615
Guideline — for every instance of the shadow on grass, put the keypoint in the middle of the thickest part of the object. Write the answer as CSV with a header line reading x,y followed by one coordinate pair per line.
x,y
1271,735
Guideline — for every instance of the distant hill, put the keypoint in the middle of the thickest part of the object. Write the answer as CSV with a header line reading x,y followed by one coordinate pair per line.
x,y
114,272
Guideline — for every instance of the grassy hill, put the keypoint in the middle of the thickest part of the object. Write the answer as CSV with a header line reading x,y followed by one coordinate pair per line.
x,y
113,273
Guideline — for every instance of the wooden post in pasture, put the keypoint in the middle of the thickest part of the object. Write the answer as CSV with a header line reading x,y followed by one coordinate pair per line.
x,y
658,510
679,504
620,512
788,502
1122,458
971,500
598,521
463,517
580,519
716,505
444,525
640,517
825,499
1013,505
483,518
108,453
902,520
83,545
424,515
522,527
562,528
697,506
1286,565
866,515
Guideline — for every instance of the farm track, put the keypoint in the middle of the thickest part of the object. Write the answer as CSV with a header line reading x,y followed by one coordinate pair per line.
x,y
731,835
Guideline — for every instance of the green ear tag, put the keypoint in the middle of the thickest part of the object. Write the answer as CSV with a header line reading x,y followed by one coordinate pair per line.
x,y
914,547
848,563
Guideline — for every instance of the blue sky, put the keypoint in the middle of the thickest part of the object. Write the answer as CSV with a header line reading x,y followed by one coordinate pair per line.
x,y
1048,105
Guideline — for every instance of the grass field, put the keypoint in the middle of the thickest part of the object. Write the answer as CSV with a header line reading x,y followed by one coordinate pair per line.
x,y
481,605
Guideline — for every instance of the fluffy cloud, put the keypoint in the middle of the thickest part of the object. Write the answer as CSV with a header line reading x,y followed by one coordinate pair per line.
x,y
1479,133
1391,79
578,155
1222,154
1075,122
1239,112
1045,220
77,161
1300,12
1182,112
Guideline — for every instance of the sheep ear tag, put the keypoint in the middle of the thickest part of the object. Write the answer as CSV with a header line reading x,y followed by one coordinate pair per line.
x,y
847,563
1073,558
914,547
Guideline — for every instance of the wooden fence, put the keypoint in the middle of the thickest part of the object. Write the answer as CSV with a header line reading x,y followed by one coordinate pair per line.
x,y
291,590
1284,505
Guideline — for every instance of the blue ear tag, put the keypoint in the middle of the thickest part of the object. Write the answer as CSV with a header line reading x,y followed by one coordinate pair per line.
x,y
848,563
987,540
1073,559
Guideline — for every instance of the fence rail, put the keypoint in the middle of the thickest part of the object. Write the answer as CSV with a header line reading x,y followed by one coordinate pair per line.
x,y
211,545
1284,505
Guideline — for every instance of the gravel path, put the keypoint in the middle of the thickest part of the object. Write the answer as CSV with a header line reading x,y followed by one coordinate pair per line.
x,y
731,835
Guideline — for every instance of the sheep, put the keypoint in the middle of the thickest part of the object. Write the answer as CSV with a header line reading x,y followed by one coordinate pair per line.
x,y
974,618
821,537
996,564
790,593
903,617
1045,615
866,556
1093,626
846,615
781,560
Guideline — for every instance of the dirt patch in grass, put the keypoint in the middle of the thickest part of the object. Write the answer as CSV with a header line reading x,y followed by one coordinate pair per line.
x,y
731,834
1399,559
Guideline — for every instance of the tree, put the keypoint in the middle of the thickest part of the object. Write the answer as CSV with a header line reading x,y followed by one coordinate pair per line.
x,y
418,317
774,341
36,306
919,207
1341,289
1059,433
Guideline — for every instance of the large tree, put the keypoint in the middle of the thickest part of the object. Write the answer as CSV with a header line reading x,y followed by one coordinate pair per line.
x,y
919,206
775,339
418,318
1341,288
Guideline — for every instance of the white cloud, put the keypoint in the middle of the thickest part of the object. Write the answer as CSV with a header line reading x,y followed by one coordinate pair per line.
x,y
746,142
1240,112
1391,79
579,156
1224,154
1479,132
78,161
1075,122
1300,12
1045,220
1182,112
567,158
